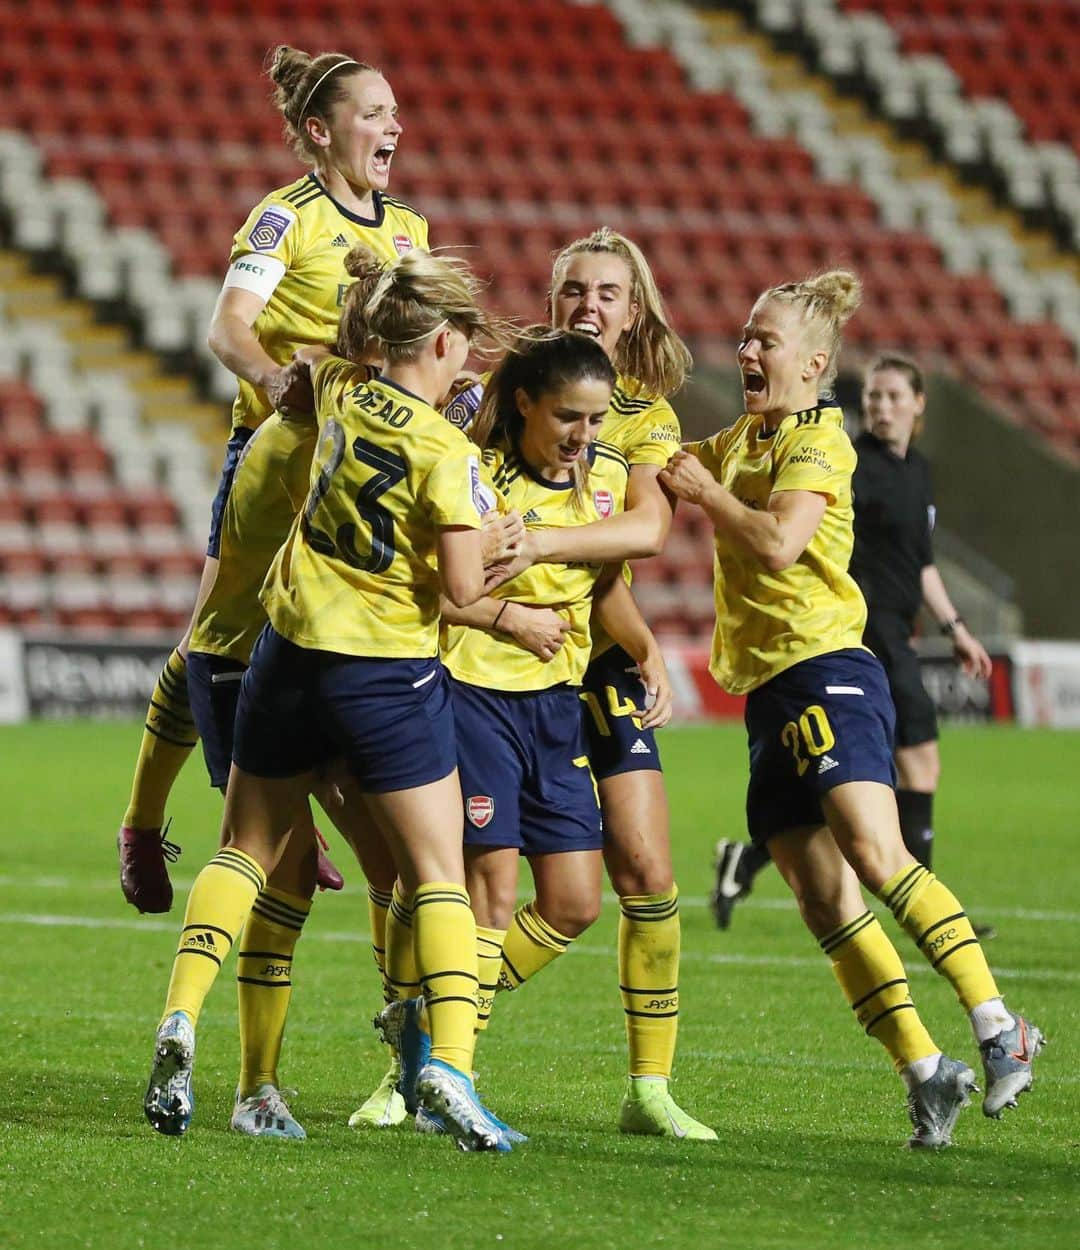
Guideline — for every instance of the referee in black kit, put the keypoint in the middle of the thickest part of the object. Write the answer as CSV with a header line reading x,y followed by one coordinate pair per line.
x,y
893,563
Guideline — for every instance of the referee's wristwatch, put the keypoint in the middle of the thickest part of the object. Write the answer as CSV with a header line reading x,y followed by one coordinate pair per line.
x,y
949,627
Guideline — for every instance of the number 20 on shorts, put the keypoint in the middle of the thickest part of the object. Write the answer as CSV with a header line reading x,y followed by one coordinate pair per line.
x,y
811,733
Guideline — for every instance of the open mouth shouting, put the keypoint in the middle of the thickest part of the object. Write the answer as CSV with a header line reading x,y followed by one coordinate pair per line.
x,y
382,159
586,325
753,382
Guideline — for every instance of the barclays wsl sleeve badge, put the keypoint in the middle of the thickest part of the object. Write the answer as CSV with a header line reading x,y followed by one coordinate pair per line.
x,y
483,499
604,502
270,229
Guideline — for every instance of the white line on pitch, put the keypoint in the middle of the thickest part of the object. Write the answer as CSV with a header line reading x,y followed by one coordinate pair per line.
x,y
1048,915
579,948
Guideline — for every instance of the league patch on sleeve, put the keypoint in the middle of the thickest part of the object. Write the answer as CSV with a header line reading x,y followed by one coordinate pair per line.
x,y
270,229
462,408
483,499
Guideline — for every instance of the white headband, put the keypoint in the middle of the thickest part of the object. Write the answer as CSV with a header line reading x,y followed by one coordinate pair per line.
x,y
322,79
417,337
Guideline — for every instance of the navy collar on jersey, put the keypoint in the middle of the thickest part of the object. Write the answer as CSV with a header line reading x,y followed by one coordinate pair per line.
x,y
530,472
376,199
381,377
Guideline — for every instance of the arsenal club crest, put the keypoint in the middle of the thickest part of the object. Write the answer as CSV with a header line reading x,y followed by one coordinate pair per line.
x,y
480,809
603,502
403,244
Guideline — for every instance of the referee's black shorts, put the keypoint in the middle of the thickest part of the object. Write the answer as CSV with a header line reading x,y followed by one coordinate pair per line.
x,y
888,635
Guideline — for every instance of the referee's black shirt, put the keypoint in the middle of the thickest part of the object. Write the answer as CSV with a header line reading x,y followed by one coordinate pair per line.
x,y
894,509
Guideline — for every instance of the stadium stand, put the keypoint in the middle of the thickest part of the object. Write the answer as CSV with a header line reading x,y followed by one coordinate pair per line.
x,y
140,139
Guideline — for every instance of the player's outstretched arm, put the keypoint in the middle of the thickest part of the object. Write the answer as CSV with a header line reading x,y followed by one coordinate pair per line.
x,y
634,534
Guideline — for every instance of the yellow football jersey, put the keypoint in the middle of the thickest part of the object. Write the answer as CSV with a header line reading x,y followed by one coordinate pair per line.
x,y
482,657
300,235
356,573
644,427
766,622
268,490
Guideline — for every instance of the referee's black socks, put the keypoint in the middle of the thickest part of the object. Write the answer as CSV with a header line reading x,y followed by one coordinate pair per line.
x,y
917,823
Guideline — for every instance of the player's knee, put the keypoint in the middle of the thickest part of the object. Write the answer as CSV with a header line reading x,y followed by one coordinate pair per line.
x,y
822,911
642,876
572,916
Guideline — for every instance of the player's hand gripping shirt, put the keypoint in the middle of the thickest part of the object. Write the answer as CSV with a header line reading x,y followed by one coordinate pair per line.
x,y
496,661
356,574
291,251
766,622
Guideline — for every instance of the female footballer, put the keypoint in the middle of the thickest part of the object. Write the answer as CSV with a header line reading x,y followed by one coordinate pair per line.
x,y
789,627
348,666
602,286
282,291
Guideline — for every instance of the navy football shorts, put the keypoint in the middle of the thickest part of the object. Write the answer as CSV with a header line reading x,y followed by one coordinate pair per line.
x,y
814,726
610,694
390,719
889,637
213,692
524,774
233,450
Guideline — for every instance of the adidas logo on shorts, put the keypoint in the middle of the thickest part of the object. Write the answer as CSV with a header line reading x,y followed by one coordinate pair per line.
x,y
339,241
640,748
827,762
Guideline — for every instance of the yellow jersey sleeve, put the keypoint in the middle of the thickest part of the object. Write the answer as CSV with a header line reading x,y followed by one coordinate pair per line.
x,y
357,574
481,657
643,427
815,457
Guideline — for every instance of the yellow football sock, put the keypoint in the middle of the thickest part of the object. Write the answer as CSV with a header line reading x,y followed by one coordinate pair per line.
x,y
217,907
530,944
875,984
931,914
402,978
489,952
445,938
650,937
378,904
264,982
168,739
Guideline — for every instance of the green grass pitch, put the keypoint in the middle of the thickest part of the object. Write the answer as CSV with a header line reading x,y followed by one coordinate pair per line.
x,y
810,1116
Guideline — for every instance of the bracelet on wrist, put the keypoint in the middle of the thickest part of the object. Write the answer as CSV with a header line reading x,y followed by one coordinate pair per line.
x,y
498,615
949,627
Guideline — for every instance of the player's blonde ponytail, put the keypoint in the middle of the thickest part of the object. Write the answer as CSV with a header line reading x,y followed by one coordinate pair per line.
x,y
650,352
355,340
393,309
827,301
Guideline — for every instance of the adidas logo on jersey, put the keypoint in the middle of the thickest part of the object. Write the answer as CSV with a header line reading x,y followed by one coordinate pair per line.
x,y
826,763
640,748
339,241
531,517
